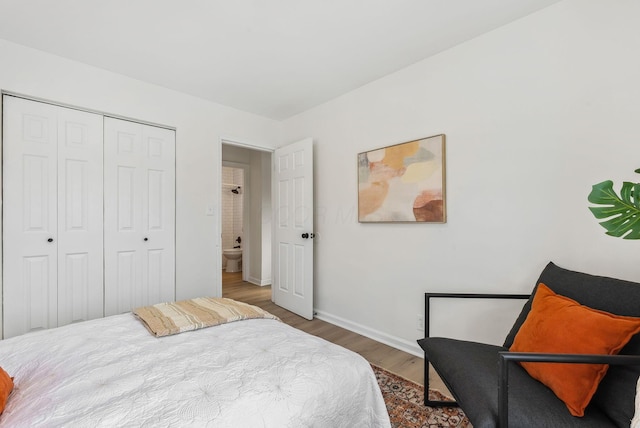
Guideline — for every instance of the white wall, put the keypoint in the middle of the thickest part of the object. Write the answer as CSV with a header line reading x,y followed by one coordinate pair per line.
x,y
200,126
534,114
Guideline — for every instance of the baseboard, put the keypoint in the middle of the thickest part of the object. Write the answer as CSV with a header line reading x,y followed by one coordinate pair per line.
x,y
256,281
395,342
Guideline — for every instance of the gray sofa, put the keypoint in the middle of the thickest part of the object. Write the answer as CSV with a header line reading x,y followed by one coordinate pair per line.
x,y
494,391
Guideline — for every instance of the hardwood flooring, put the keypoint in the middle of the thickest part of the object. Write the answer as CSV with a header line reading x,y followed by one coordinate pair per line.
x,y
387,357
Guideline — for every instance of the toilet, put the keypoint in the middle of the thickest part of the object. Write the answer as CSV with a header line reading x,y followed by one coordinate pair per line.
x,y
234,259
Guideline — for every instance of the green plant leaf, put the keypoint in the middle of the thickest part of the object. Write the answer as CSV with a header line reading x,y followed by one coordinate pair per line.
x,y
622,213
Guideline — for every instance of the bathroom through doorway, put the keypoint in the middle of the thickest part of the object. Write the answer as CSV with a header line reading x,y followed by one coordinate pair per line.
x,y
245,213
232,216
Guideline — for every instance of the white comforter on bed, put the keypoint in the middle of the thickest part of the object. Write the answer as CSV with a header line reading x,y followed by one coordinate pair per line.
x,y
256,373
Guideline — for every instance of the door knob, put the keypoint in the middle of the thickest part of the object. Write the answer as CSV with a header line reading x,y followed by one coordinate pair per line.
x,y
305,236
145,239
50,240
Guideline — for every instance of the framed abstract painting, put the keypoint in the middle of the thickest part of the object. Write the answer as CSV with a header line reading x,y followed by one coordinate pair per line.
x,y
403,182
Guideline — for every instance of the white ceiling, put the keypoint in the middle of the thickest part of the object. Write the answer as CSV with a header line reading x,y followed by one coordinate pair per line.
x,y
274,58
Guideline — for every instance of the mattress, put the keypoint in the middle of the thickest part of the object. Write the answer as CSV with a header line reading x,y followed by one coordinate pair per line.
x,y
254,373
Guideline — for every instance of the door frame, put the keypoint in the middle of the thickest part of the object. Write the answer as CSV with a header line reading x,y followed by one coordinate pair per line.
x,y
230,141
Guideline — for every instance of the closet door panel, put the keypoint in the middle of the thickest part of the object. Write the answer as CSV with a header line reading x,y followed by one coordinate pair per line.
x,y
80,216
52,184
29,216
123,215
158,219
139,215
124,293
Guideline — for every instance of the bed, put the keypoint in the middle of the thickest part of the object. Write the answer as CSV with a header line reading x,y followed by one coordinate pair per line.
x,y
252,373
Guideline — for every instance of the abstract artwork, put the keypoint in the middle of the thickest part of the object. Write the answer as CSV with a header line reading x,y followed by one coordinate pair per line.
x,y
403,182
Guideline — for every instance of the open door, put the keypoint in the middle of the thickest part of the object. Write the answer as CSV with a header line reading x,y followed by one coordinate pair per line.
x,y
292,282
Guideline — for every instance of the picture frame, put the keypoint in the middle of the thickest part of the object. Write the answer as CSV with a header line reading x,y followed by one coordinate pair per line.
x,y
403,182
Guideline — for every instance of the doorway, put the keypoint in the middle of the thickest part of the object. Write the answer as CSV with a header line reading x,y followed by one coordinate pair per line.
x,y
247,171
232,215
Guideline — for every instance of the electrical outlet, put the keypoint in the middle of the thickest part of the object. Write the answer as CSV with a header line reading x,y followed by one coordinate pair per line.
x,y
420,323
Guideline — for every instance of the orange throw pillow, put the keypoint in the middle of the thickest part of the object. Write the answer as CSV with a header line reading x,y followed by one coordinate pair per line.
x,y
6,386
558,324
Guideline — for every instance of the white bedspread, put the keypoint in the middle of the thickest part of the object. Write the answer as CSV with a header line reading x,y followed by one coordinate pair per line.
x,y
257,373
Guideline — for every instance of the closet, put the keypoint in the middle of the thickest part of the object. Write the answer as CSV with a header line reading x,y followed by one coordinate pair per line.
x,y
88,215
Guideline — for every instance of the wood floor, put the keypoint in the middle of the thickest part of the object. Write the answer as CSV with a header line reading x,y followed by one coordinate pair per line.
x,y
391,359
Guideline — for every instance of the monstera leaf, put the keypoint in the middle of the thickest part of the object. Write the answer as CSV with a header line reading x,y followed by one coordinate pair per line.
x,y
622,212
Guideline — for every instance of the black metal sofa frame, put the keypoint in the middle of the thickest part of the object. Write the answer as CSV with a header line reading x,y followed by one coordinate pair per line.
x,y
493,392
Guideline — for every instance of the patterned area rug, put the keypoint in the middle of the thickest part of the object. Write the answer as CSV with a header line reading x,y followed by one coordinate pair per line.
x,y
405,404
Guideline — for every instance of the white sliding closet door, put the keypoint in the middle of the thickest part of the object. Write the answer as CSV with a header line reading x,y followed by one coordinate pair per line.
x,y
139,183
80,217
52,216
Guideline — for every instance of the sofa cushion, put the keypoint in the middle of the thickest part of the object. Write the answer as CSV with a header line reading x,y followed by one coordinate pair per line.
x,y
616,392
470,371
560,325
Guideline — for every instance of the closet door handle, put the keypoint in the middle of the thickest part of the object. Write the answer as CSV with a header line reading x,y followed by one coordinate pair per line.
x,y
145,239
50,240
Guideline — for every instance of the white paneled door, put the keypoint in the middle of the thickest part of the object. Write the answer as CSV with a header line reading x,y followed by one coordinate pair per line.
x,y
293,253
52,216
139,223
